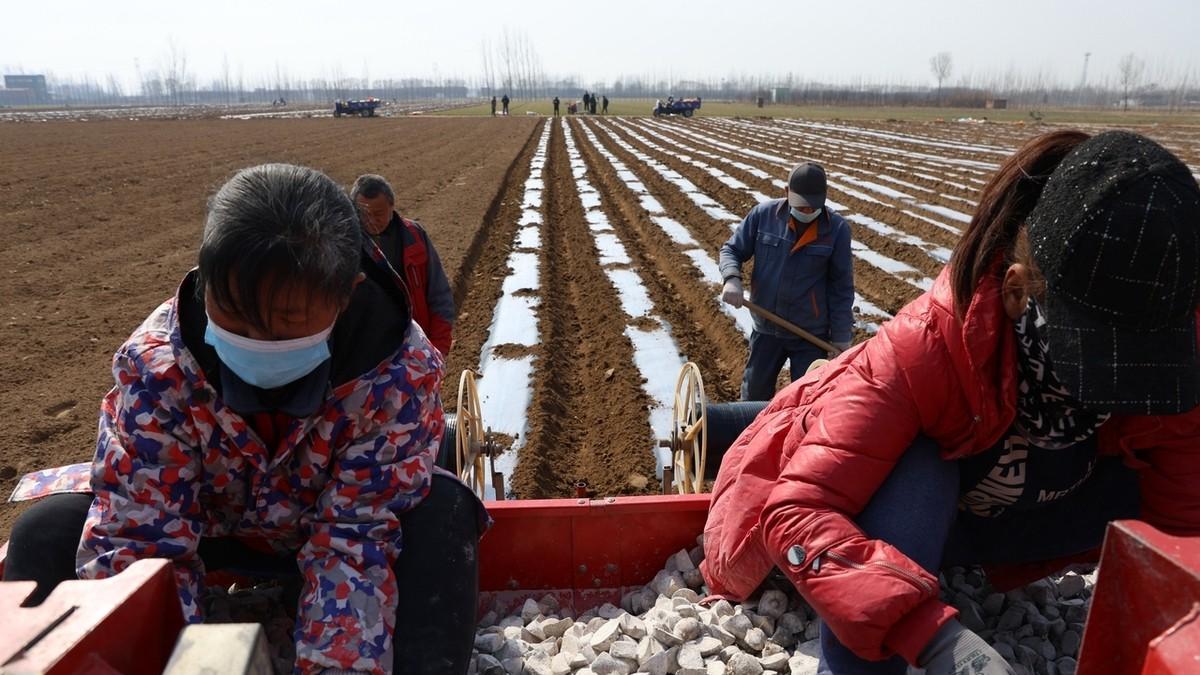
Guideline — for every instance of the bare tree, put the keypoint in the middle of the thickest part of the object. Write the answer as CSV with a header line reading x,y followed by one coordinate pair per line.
x,y
176,71
115,90
489,76
226,83
507,54
941,64
1130,70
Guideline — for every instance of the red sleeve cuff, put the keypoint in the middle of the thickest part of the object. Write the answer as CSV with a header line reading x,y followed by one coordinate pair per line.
x,y
910,635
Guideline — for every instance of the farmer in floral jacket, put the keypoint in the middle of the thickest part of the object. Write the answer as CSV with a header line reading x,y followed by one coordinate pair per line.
x,y
282,407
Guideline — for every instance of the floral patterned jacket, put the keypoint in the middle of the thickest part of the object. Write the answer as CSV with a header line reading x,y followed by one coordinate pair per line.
x,y
173,464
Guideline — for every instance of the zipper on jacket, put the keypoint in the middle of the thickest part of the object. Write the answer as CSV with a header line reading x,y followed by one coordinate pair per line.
x,y
812,295
918,581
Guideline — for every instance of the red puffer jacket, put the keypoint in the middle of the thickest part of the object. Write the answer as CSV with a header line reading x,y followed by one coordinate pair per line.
x,y
812,460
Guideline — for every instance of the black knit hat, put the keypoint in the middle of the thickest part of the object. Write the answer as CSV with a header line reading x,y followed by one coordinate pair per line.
x,y
1116,232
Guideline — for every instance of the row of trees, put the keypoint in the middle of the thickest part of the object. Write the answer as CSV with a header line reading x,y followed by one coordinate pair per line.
x,y
512,66
1173,90
180,87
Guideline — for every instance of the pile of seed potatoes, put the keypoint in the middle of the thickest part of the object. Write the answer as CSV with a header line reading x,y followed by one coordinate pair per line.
x,y
663,629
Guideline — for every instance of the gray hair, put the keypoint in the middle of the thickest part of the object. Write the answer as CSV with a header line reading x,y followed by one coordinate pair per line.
x,y
371,185
278,224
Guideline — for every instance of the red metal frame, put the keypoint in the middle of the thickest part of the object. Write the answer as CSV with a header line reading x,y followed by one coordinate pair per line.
x,y
1145,606
125,624
586,552
1145,616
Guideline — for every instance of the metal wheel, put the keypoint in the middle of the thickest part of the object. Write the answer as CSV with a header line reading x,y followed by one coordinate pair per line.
x,y
690,430
469,438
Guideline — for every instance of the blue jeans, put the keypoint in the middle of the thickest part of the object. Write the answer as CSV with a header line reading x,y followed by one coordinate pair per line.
x,y
767,354
916,510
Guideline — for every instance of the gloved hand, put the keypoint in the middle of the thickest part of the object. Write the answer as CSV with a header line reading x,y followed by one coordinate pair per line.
x,y
842,346
732,293
955,650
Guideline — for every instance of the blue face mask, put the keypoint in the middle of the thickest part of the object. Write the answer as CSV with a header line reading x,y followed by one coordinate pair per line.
x,y
268,364
806,218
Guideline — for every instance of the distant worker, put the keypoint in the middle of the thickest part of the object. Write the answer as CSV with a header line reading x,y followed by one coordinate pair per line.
x,y
505,102
493,106
556,106
802,272
604,109
408,248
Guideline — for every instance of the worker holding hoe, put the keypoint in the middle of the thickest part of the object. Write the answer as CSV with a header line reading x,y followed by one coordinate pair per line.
x,y
1046,385
279,416
802,274
408,248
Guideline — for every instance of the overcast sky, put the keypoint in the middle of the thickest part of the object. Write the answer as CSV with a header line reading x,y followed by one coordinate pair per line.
x,y
830,41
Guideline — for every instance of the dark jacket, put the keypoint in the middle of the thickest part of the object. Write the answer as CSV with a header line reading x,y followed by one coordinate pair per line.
x,y
812,287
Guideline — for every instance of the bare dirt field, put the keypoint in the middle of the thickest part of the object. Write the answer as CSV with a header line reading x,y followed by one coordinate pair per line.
x,y
601,232
99,222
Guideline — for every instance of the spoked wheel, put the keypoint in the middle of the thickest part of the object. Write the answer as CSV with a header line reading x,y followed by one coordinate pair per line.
x,y
469,439
690,430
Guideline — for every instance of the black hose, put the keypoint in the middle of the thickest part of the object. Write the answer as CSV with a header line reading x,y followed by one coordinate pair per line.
x,y
445,457
727,421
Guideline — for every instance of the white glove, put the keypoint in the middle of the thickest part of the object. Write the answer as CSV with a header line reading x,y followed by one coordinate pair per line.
x,y
732,293
955,650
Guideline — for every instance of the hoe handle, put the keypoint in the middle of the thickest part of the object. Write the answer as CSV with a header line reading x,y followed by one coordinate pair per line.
x,y
784,323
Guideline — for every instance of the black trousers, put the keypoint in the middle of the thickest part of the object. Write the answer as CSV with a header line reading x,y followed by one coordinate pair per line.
x,y
437,572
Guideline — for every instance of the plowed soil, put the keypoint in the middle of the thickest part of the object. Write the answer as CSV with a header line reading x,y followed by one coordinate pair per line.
x,y
588,417
100,221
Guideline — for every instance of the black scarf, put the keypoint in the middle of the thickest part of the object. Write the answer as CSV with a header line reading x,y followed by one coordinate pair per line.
x,y
1046,414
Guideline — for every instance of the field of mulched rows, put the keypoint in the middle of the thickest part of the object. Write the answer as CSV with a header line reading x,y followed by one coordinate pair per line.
x,y
600,278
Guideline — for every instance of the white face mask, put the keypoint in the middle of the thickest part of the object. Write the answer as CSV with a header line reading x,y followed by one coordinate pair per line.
x,y
805,218
268,363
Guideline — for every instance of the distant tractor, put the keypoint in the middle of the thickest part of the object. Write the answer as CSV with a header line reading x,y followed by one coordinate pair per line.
x,y
364,108
683,106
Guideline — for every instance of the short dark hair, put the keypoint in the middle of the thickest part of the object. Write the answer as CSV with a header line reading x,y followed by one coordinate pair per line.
x,y
278,224
371,185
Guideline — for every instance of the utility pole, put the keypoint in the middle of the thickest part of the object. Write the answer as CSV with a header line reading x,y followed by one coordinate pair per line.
x,y
1083,77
